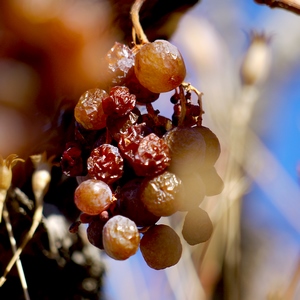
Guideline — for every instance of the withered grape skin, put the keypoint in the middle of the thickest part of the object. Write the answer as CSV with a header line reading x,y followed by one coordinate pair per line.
x,y
120,60
121,237
89,111
214,184
119,125
187,148
152,156
131,206
197,227
161,247
119,102
92,196
105,163
159,66
160,194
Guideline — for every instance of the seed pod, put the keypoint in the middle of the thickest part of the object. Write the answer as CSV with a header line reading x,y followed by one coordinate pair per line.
x,y
256,64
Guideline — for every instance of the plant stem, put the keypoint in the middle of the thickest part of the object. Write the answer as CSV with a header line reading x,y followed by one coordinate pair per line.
x,y
134,12
14,249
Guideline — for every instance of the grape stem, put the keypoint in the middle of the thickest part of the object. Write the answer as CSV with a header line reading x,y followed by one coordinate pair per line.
x,y
189,88
137,27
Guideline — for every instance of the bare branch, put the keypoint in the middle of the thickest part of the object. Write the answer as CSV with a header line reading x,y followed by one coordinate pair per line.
x,y
291,5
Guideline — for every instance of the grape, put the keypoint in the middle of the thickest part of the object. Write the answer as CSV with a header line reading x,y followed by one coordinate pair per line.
x,y
120,65
129,141
187,148
105,163
143,95
119,125
120,237
152,156
197,226
214,184
132,207
93,196
161,247
160,194
159,66
120,60
89,111
71,161
213,147
94,232
119,102
192,192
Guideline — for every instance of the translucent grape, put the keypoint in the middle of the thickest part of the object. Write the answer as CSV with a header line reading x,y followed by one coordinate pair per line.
x,y
92,196
120,237
159,66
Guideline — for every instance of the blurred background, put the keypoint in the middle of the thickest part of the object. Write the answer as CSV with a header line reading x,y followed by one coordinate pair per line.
x,y
254,252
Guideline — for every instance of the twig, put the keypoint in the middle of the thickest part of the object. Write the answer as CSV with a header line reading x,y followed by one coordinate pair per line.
x,y
14,249
134,12
291,5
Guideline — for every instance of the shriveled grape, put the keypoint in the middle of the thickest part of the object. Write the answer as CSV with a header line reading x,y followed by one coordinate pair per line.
x,y
160,194
105,163
89,111
161,247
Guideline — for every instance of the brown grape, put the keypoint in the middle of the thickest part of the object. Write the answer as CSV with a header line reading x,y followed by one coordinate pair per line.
x,y
192,193
120,237
197,226
89,111
187,148
161,247
213,147
214,184
92,196
160,193
159,66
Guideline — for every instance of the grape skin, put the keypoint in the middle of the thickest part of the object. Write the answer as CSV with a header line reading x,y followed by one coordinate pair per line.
x,y
161,247
159,66
121,237
88,110
197,227
92,196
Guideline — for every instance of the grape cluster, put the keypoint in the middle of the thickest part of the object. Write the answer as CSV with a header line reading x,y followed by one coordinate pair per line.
x,y
134,167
